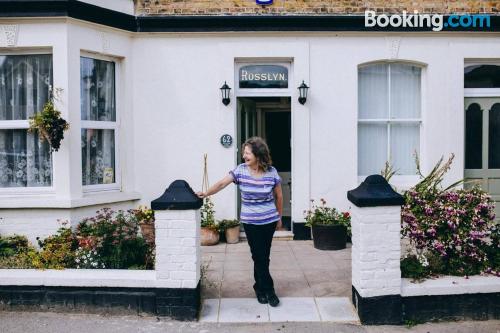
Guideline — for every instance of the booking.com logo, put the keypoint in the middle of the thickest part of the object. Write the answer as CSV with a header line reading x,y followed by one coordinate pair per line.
x,y
416,20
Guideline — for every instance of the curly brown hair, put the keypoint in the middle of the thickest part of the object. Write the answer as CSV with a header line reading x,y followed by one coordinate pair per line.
x,y
260,150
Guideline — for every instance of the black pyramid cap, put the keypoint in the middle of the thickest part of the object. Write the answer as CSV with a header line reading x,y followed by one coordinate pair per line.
x,y
375,191
178,196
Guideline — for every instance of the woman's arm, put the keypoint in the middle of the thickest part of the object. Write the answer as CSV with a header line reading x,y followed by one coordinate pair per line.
x,y
278,195
216,187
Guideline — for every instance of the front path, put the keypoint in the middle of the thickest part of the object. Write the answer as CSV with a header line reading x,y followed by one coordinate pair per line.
x,y
313,285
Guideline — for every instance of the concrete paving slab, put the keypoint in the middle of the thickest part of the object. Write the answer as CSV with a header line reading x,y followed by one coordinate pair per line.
x,y
337,309
242,310
294,309
210,311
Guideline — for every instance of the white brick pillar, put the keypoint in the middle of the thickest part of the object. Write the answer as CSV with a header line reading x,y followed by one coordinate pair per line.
x,y
376,251
178,257
177,237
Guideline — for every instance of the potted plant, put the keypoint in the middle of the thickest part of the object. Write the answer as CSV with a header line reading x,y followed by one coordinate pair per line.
x,y
329,226
146,219
209,231
231,230
48,123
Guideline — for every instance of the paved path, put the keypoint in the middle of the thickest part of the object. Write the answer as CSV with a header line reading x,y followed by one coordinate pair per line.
x,y
291,309
313,285
298,270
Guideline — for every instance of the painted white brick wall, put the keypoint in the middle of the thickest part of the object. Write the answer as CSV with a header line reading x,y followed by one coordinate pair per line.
x,y
178,251
376,250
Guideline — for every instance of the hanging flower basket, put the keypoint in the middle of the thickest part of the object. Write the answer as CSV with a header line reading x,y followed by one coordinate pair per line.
x,y
49,124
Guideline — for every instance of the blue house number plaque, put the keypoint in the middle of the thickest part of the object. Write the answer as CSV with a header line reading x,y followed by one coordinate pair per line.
x,y
264,2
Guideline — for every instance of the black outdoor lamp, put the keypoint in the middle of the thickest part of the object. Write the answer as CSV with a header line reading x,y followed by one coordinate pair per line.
x,y
303,93
225,89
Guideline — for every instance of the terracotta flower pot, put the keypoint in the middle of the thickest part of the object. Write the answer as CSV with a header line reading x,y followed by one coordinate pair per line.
x,y
233,235
148,232
209,236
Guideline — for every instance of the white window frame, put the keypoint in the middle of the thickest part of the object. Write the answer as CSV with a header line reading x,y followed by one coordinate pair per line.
x,y
24,124
400,181
114,125
481,92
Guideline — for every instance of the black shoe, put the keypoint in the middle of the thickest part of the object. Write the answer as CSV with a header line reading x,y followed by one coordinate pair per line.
x,y
262,298
273,299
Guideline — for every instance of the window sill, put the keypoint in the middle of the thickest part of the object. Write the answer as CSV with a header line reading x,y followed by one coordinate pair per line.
x,y
50,201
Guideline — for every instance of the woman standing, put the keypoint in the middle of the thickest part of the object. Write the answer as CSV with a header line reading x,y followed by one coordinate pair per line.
x,y
261,209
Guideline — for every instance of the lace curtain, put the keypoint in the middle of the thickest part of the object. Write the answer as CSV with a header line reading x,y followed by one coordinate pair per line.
x,y
98,105
24,89
388,93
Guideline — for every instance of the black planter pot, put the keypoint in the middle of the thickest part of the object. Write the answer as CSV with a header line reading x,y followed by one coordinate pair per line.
x,y
329,237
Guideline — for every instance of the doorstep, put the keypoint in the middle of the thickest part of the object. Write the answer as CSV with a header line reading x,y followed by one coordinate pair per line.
x,y
290,309
278,235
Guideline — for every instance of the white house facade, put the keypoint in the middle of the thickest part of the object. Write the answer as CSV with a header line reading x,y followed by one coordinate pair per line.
x,y
144,106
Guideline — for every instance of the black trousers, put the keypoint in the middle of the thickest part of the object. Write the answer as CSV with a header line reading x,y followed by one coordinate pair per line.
x,y
259,239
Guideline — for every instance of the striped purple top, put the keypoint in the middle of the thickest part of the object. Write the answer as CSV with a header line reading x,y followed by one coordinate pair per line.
x,y
257,199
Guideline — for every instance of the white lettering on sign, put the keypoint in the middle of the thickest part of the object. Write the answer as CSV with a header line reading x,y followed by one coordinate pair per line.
x,y
245,76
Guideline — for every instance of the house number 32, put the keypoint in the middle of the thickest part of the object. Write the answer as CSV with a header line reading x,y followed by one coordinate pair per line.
x,y
226,140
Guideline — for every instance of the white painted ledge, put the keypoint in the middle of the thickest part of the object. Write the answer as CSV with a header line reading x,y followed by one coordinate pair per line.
x,y
50,201
451,285
89,278
78,277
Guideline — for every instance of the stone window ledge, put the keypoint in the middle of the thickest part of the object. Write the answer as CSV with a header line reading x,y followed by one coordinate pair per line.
x,y
50,201
451,285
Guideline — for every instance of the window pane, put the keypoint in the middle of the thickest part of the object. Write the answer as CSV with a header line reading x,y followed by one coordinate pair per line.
x,y
482,76
98,156
405,91
473,137
372,148
24,160
405,139
494,138
24,85
97,88
373,92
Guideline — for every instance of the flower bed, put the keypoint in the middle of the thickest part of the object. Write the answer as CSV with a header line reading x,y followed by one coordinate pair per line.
x,y
108,240
453,232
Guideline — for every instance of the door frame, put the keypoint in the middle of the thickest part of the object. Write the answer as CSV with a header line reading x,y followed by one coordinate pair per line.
x,y
260,129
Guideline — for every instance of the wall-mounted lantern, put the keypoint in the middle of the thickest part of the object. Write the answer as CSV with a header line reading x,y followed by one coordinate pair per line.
x,y
225,89
303,93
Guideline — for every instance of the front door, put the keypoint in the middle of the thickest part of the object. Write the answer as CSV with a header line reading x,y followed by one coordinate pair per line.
x,y
482,145
269,118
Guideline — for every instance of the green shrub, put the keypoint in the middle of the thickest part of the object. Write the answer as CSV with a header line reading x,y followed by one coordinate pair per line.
x,y
12,245
57,251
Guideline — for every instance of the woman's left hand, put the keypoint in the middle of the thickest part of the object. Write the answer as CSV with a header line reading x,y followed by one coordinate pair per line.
x,y
279,225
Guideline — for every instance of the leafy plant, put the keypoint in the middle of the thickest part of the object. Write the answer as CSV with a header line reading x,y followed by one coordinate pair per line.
x,y
57,251
12,245
114,236
227,224
49,124
457,226
208,214
388,171
324,215
144,215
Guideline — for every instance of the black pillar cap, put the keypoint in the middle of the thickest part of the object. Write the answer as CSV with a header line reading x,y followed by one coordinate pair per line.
x,y
375,191
178,196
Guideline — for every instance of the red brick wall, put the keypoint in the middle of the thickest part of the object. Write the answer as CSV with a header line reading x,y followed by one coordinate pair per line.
x,y
315,7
